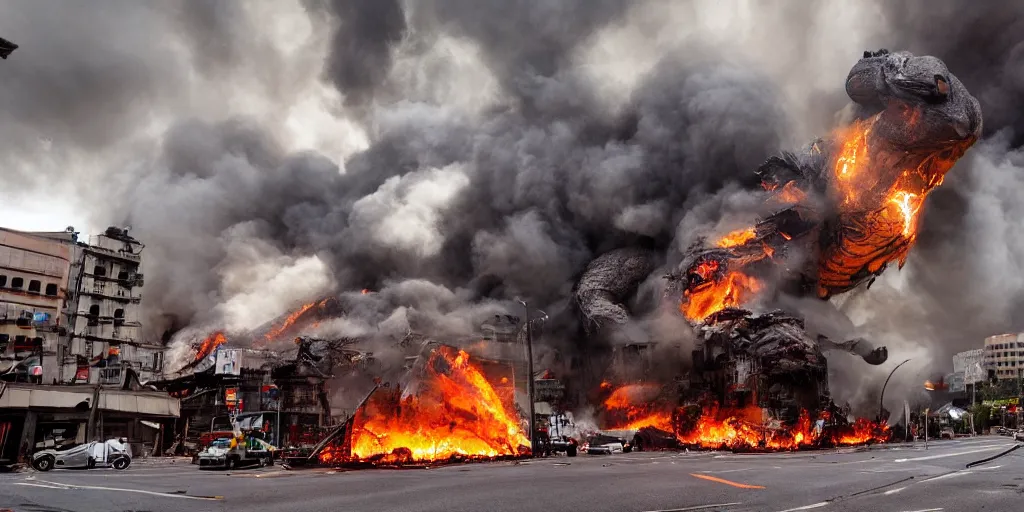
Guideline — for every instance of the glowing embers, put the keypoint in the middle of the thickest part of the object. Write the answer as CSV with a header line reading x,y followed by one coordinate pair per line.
x,y
634,406
210,344
450,412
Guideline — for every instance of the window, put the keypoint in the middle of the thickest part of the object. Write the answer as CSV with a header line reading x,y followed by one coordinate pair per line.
x,y
122,275
34,286
99,271
118,317
17,283
51,290
94,310
3,281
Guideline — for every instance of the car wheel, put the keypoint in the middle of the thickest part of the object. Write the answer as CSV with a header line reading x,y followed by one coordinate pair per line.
x,y
570,451
44,463
91,463
270,460
121,463
229,464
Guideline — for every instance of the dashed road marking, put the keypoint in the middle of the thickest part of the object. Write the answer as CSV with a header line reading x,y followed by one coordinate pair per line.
x,y
890,492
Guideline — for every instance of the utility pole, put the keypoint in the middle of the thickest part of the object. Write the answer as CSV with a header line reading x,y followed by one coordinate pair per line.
x,y
881,399
529,373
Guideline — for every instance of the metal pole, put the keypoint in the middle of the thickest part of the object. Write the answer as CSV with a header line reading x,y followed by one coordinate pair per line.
x,y
974,400
529,374
277,422
926,411
881,399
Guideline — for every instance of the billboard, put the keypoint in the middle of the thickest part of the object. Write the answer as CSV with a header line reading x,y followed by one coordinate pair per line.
x,y
969,363
228,362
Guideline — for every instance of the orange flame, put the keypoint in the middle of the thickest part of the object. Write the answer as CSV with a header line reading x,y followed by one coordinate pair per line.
x,y
210,344
732,291
279,330
790,193
737,238
853,157
633,407
455,412
746,429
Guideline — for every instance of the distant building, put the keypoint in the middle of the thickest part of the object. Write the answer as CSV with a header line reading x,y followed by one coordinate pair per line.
x,y
1004,355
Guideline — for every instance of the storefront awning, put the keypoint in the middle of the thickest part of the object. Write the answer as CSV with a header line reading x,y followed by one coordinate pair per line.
x,y
142,403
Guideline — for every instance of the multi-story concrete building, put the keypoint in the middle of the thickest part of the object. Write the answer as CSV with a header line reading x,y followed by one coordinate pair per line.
x,y
34,277
1004,354
105,344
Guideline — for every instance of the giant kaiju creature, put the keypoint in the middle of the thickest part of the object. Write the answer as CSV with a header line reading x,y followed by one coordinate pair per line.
x,y
848,207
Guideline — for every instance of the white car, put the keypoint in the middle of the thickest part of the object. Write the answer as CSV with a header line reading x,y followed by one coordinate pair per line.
x,y
1018,435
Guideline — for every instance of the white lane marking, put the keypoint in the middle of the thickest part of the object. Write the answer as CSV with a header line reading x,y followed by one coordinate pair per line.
x,y
893,491
927,510
807,507
29,484
990,468
70,487
947,475
149,474
957,454
698,507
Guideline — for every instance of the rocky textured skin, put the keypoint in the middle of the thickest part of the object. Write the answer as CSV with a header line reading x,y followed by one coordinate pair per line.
x,y
608,282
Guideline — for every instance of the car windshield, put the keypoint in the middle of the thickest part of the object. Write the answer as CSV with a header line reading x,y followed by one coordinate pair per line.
x,y
222,442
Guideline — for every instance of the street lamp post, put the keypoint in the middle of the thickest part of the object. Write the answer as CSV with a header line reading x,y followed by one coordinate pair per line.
x,y
881,399
529,372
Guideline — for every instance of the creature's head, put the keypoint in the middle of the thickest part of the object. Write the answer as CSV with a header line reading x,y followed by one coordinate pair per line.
x,y
923,105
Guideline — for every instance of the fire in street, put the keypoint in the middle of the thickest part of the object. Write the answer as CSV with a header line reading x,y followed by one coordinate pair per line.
x,y
637,407
449,412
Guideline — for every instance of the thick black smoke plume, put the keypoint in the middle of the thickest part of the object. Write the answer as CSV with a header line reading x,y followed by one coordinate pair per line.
x,y
464,152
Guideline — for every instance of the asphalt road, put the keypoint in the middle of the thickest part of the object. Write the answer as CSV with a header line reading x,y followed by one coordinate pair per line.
x,y
892,479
